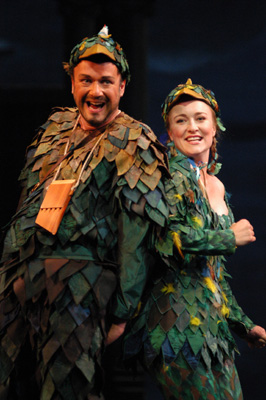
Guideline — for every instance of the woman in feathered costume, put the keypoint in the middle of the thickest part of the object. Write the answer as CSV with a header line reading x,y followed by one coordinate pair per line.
x,y
184,326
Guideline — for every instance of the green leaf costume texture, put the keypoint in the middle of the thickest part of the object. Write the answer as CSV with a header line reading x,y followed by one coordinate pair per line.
x,y
56,289
183,327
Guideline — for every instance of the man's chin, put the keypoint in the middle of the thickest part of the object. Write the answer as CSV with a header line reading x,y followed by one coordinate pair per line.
x,y
91,122
95,123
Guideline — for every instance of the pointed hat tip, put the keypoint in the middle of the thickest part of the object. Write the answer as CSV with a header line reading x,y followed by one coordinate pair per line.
x,y
104,31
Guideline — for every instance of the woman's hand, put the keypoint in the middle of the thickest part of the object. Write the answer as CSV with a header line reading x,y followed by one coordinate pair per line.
x,y
244,232
256,337
115,332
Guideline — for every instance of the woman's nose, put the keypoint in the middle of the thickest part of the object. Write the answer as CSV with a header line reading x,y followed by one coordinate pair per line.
x,y
192,125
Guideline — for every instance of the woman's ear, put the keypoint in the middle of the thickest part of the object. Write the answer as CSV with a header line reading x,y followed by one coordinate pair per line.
x,y
215,127
170,135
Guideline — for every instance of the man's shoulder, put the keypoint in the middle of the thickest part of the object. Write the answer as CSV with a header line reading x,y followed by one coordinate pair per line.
x,y
133,130
138,147
61,119
63,114
141,165
136,125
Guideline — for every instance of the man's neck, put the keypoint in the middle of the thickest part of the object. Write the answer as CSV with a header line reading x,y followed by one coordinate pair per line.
x,y
87,127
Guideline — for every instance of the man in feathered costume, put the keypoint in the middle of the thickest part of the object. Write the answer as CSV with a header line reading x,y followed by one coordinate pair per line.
x,y
91,202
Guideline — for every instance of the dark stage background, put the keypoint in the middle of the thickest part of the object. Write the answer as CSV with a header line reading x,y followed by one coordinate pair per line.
x,y
219,44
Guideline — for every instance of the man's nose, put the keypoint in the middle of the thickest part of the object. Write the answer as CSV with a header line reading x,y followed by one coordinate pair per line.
x,y
95,89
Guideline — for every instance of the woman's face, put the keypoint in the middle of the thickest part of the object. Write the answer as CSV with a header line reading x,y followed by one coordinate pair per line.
x,y
192,127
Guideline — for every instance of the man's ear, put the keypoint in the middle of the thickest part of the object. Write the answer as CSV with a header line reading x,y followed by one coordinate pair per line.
x,y
72,84
122,87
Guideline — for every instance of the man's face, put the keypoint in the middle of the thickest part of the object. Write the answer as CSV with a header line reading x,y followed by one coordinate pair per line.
x,y
97,89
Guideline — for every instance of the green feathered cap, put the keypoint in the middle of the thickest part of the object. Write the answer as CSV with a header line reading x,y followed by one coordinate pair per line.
x,y
100,44
197,92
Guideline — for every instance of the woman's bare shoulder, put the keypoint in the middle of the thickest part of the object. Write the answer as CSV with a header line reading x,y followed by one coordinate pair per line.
x,y
216,183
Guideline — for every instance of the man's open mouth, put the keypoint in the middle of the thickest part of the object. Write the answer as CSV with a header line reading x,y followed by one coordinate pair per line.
x,y
95,106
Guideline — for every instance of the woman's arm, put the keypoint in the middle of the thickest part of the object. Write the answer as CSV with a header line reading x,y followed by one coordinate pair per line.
x,y
191,224
239,322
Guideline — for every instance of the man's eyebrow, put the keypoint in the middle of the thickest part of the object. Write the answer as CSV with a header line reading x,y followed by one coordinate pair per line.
x,y
102,77
107,77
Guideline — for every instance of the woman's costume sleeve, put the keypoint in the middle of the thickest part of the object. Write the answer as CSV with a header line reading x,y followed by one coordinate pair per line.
x,y
237,320
190,222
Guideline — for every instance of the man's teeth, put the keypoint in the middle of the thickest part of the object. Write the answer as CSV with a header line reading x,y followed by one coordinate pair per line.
x,y
93,105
